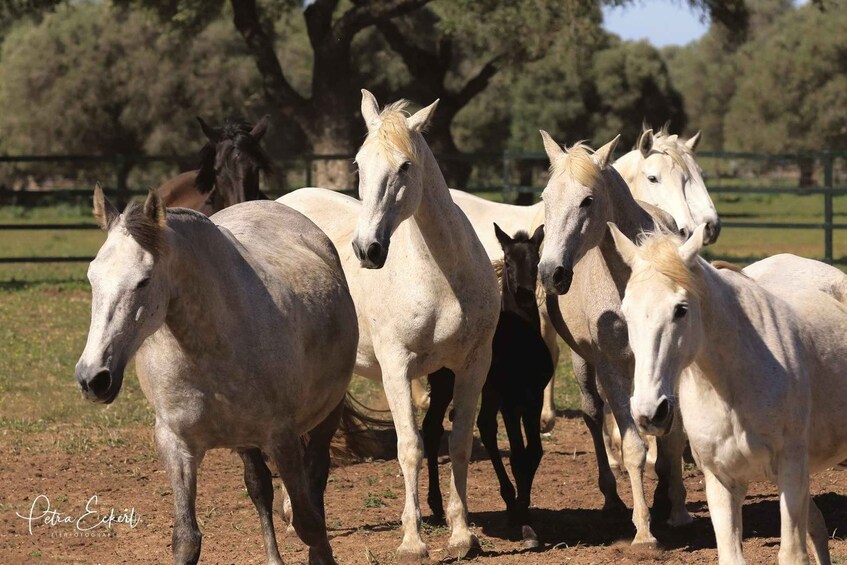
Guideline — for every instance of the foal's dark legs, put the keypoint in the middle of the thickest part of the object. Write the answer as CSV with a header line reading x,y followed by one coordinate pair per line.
x,y
257,479
441,393
487,424
519,462
592,414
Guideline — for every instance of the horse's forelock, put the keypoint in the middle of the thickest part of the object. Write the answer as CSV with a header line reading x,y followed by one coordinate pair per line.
x,y
393,134
145,231
661,251
578,164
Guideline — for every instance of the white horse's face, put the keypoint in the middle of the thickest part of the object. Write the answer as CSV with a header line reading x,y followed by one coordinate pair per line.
x,y
675,187
390,177
576,209
128,304
665,329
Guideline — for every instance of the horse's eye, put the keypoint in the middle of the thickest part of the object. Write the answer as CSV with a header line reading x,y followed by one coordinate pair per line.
x,y
680,310
405,166
144,282
653,179
587,202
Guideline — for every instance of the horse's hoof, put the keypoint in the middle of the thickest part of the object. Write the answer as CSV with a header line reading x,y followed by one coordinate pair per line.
x,y
680,519
645,542
460,545
413,552
548,422
321,556
530,540
614,507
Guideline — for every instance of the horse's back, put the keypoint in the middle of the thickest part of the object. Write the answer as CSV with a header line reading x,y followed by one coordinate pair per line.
x,y
181,192
796,272
483,213
334,213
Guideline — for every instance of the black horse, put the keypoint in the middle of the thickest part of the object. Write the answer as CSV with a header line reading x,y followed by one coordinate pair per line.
x,y
520,370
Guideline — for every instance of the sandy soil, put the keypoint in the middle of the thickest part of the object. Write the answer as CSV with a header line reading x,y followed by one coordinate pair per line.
x,y
364,502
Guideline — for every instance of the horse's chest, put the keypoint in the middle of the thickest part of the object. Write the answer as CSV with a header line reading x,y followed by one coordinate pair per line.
x,y
720,438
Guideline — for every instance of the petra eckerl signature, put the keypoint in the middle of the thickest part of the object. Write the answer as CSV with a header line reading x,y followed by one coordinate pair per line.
x,y
89,520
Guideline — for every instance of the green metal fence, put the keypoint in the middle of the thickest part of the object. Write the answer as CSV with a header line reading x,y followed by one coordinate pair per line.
x,y
507,174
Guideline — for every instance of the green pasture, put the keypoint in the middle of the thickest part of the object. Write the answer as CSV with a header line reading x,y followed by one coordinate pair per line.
x,y
44,308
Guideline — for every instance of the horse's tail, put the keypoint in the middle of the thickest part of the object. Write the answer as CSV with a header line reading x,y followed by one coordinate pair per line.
x,y
361,436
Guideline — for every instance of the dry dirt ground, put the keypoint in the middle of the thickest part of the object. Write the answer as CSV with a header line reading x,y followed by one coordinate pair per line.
x,y
364,502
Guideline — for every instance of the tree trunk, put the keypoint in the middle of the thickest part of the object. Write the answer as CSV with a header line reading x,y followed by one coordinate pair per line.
x,y
807,172
440,139
336,174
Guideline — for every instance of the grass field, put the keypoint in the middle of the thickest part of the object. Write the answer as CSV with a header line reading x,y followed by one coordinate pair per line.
x,y
44,308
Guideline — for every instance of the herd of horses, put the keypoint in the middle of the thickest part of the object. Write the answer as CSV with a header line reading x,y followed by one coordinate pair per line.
x,y
248,317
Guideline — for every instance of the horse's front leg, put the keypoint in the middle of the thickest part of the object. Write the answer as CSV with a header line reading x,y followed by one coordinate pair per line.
x,y
818,534
725,503
287,453
466,392
592,415
551,339
396,381
669,499
613,379
793,505
181,464
257,479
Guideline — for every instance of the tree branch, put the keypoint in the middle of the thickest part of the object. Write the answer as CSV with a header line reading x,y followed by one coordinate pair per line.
x,y
365,14
422,64
477,84
277,88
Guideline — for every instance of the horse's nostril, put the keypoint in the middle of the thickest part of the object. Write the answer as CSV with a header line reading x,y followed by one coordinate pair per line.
x,y
684,233
375,252
101,382
663,411
558,274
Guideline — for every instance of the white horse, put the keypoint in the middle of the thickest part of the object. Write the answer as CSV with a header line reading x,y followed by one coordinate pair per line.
x,y
660,171
245,334
432,302
761,375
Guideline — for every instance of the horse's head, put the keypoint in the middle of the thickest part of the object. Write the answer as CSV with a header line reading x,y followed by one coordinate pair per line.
x,y
520,264
390,175
231,162
661,306
129,292
662,171
577,205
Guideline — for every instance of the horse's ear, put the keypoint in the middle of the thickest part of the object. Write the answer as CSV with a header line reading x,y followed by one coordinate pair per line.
x,y
690,250
603,156
211,133
154,208
693,141
538,237
645,142
502,237
420,119
626,248
554,150
104,212
260,128
370,110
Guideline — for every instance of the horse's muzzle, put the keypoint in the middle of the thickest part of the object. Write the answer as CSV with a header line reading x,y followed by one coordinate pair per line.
x,y
659,422
98,385
712,231
556,280
373,256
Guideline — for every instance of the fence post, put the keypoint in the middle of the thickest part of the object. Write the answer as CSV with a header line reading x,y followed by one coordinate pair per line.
x,y
507,176
827,206
121,173
309,170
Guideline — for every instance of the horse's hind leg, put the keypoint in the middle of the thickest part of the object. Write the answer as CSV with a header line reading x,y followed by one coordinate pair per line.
x,y
592,414
818,534
487,424
308,520
317,456
257,479
441,393
181,465
793,479
548,332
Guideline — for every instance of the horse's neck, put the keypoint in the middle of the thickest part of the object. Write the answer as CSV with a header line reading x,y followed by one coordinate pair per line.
x,y
735,314
201,267
630,218
437,220
627,166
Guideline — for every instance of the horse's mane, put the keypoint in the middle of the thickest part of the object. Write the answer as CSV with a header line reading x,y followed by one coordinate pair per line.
x,y
393,135
718,264
238,132
577,163
499,266
146,232
661,251
663,143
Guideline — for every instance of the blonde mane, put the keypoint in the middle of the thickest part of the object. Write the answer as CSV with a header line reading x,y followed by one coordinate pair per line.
x,y
661,251
393,135
540,293
578,164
